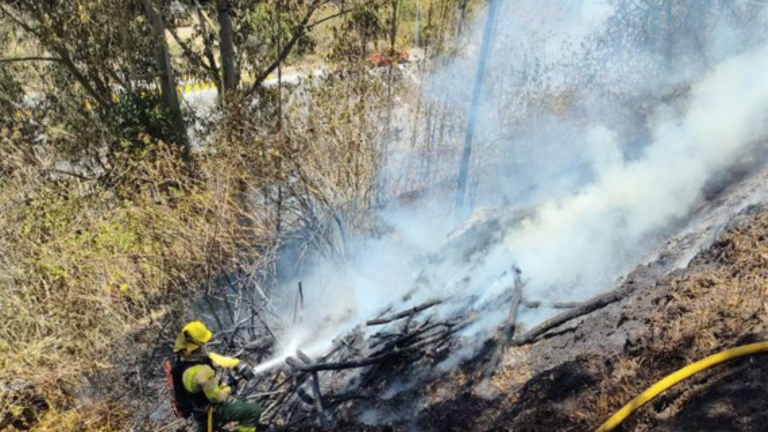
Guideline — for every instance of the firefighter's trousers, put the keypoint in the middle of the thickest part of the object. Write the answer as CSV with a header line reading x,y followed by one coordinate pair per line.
x,y
245,414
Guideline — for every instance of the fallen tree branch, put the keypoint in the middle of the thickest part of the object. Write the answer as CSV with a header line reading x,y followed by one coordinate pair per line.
x,y
397,339
32,58
406,339
598,302
557,305
566,305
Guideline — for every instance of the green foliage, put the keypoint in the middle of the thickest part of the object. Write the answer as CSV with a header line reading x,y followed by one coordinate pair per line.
x,y
354,37
271,26
105,39
138,114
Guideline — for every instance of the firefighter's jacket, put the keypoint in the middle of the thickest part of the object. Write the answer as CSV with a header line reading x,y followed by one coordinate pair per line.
x,y
207,379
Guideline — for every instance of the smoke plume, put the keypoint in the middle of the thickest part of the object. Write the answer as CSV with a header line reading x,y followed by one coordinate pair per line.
x,y
597,137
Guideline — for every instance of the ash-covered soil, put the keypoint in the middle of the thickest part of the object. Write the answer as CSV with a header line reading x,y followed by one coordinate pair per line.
x,y
706,291
717,302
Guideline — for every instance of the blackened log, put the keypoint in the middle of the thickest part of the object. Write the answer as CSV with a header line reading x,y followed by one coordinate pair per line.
x,y
598,302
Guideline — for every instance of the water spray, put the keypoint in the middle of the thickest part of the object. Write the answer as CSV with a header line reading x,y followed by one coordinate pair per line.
x,y
482,68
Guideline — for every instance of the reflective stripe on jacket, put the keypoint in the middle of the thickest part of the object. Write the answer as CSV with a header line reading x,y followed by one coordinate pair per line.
x,y
223,361
202,378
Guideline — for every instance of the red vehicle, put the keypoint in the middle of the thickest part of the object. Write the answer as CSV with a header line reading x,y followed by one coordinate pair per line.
x,y
390,57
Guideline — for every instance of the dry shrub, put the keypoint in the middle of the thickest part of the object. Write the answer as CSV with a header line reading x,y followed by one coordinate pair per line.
x,y
87,263
84,266
311,169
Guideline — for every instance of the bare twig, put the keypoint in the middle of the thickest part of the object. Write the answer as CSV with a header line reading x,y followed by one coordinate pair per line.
x,y
26,59
299,303
298,32
191,55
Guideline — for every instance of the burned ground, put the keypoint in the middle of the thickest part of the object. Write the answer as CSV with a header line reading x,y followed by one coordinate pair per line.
x,y
590,369
576,376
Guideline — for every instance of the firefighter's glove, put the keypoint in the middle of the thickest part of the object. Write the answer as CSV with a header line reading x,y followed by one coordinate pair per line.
x,y
245,371
228,380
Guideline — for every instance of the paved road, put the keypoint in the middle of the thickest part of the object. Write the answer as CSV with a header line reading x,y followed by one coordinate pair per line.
x,y
199,96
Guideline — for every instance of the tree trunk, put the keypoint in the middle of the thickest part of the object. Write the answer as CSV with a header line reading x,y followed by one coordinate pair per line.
x,y
208,51
226,42
165,71
462,16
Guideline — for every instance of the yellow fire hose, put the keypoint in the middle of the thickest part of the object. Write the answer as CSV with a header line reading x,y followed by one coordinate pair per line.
x,y
678,376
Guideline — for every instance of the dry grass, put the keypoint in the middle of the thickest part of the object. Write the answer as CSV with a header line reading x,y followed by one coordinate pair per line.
x,y
85,267
101,417
718,303
515,369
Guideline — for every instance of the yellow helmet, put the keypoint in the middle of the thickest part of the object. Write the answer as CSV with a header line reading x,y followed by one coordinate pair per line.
x,y
192,336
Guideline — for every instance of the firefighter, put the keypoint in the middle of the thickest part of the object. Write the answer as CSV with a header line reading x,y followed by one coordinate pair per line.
x,y
201,383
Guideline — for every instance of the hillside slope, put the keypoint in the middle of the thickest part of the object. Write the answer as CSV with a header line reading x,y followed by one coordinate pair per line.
x,y
703,293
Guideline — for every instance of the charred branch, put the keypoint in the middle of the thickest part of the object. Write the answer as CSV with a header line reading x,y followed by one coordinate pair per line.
x,y
517,298
584,309
301,395
556,305
404,314
511,324
352,364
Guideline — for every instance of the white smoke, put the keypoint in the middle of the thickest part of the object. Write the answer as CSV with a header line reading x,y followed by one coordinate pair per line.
x,y
604,185
579,238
